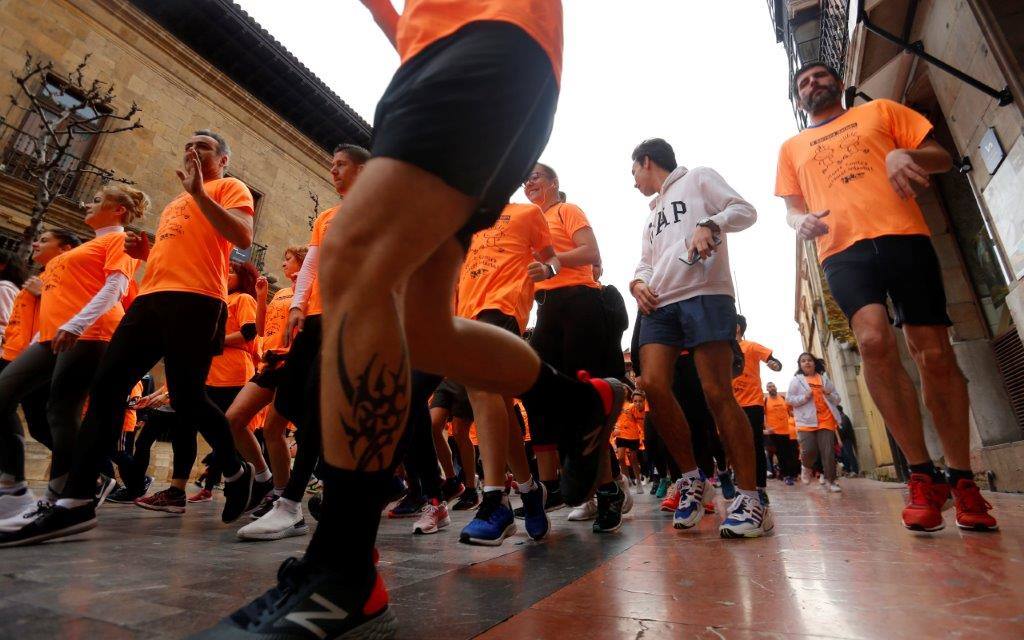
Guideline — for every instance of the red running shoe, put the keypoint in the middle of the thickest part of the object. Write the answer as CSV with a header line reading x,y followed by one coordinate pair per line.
x,y
203,495
925,501
671,501
972,511
166,500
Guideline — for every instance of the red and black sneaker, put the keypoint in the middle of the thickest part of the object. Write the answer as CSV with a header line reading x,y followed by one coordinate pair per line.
x,y
926,499
972,511
310,603
169,500
582,447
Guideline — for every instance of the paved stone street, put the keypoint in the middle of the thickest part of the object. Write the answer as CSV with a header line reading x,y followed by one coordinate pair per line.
x,y
838,566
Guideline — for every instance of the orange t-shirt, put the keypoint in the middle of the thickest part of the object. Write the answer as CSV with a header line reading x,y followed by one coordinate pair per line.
x,y
494,273
130,417
630,424
189,254
792,427
276,322
747,386
518,406
776,415
21,326
840,166
564,220
72,279
426,21
235,366
314,306
825,418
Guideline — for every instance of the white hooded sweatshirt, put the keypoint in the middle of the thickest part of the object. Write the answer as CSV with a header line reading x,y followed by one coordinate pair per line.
x,y
686,198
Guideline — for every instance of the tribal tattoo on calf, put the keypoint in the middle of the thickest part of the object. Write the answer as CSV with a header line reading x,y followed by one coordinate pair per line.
x,y
378,400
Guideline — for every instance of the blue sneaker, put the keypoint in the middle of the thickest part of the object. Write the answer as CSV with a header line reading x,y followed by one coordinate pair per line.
x,y
537,523
691,501
493,522
728,488
662,489
746,518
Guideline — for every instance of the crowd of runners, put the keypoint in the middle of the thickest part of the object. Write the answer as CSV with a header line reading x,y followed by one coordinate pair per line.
x,y
397,352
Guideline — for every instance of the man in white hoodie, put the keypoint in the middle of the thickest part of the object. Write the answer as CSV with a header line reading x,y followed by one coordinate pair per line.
x,y
685,292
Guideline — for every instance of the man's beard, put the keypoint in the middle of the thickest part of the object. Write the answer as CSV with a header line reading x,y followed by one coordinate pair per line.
x,y
824,99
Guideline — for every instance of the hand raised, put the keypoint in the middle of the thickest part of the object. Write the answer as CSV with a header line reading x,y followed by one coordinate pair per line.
x,y
811,226
191,173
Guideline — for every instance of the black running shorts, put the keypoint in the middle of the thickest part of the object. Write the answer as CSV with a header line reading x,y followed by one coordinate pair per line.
x,y
901,269
451,396
626,443
475,109
500,320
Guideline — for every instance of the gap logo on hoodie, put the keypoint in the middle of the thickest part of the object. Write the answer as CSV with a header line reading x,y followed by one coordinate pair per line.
x,y
678,209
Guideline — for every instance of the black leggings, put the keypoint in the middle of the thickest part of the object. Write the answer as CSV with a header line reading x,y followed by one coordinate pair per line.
x,y
421,467
67,375
756,417
184,444
298,400
186,330
12,433
133,468
786,450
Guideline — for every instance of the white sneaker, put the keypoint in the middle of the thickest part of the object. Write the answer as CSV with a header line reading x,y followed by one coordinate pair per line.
x,y
821,479
768,520
282,521
745,518
805,475
627,505
691,502
12,504
639,487
433,518
586,511
835,488
25,516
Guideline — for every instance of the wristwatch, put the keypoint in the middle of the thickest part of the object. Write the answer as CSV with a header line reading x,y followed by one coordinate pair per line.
x,y
710,224
552,270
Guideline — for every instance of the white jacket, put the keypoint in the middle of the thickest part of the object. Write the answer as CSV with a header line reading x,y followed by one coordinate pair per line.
x,y
801,398
686,198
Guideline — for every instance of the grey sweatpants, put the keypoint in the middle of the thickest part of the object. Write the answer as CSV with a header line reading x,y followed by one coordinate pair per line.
x,y
816,444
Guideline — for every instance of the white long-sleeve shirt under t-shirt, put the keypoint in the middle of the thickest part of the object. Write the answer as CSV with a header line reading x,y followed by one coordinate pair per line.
x,y
686,197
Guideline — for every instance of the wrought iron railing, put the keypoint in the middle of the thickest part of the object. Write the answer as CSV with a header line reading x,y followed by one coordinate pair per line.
x,y
256,254
835,18
74,180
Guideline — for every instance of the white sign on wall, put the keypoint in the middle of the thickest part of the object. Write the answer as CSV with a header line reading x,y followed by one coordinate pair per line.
x,y
1004,196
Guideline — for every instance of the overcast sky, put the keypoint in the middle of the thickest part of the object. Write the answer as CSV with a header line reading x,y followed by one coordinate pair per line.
x,y
706,76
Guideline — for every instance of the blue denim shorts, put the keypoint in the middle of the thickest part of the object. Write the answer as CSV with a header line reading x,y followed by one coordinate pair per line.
x,y
689,323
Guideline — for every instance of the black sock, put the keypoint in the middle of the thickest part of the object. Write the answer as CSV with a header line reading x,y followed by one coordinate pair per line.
x,y
956,475
928,468
610,488
347,531
552,486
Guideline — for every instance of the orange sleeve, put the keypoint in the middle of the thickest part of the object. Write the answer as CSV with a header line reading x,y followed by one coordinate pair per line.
x,y
233,194
573,219
246,310
317,234
908,127
786,183
117,261
540,235
763,352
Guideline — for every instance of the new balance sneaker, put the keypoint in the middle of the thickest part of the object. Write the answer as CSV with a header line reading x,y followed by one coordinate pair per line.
x,y
691,501
744,518
610,507
585,511
203,495
452,489
25,516
671,500
238,494
534,515
469,500
433,517
581,453
49,523
662,489
972,510
493,522
169,500
309,603
266,506
728,487
284,520
926,499
13,503
408,507
126,495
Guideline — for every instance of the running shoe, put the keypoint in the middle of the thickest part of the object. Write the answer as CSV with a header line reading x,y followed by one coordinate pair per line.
x,y
266,506
469,500
610,510
671,500
260,490
535,516
433,517
662,490
834,487
789,481
169,500
408,507
926,499
623,484
493,522
655,485
310,602
586,511
972,510
49,523
314,485
639,487
104,486
806,475
728,488
25,516
284,520
237,494
554,501
452,489
203,495
821,479
691,501
125,495
15,502
745,518
581,453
